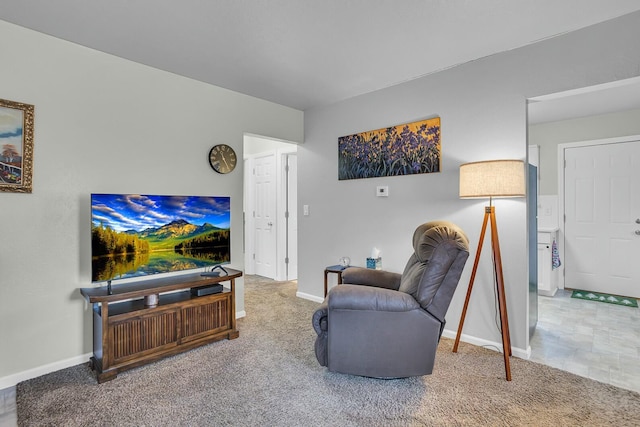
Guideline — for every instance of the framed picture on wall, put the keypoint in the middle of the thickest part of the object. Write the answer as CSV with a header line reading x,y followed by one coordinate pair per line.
x,y
407,149
16,146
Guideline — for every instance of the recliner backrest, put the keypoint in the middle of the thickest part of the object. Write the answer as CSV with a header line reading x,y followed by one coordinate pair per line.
x,y
432,273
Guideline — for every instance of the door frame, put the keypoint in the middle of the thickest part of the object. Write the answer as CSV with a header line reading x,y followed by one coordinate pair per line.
x,y
285,232
561,163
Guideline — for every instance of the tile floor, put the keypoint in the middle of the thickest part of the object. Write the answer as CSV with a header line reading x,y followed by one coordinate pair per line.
x,y
8,414
592,339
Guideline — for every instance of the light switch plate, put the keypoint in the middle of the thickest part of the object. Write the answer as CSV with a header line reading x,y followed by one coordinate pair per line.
x,y
382,191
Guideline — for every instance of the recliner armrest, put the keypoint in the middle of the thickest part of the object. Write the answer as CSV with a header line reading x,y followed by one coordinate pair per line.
x,y
354,297
370,277
321,326
319,318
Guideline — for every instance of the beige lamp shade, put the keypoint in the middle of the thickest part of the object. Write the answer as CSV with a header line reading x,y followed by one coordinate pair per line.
x,y
492,178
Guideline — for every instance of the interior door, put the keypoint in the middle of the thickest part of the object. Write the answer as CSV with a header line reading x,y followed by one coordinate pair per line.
x,y
602,224
265,216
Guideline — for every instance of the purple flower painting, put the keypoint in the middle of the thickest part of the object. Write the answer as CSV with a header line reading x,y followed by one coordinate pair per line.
x,y
406,149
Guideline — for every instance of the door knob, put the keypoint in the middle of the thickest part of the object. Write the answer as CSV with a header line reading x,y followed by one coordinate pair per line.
x,y
637,220
638,232
270,224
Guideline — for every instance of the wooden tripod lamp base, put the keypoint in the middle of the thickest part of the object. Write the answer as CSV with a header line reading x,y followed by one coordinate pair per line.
x,y
490,214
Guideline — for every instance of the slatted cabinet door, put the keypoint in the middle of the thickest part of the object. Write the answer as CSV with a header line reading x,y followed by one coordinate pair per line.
x,y
203,319
140,335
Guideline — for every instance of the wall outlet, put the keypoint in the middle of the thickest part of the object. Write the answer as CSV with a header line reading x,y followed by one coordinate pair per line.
x,y
305,210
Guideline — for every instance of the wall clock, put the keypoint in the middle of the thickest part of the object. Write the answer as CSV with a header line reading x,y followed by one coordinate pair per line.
x,y
222,158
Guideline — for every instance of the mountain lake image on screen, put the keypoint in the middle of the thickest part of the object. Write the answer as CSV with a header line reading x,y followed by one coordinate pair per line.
x,y
136,235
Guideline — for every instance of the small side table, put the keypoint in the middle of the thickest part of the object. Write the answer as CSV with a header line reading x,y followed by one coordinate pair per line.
x,y
337,269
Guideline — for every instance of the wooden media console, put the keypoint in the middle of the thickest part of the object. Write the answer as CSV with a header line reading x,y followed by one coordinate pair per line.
x,y
138,323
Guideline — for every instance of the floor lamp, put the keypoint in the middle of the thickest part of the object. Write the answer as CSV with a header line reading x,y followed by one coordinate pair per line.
x,y
492,178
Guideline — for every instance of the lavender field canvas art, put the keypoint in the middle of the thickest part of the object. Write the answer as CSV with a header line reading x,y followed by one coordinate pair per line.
x,y
406,149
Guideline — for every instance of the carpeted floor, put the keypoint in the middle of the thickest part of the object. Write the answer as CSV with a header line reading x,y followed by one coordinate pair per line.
x,y
269,377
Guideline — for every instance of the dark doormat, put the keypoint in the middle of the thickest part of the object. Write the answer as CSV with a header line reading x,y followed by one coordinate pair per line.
x,y
611,299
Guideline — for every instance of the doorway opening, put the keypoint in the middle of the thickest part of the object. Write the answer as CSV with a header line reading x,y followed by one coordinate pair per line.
x,y
584,337
270,208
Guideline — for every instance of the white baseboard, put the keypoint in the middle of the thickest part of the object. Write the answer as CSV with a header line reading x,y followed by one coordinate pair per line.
x,y
309,297
491,345
14,379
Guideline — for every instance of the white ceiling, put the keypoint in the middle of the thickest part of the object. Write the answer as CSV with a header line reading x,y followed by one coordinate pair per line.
x,y
307,53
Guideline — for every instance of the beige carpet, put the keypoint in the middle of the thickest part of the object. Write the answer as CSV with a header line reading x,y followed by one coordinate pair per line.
x,y
269,377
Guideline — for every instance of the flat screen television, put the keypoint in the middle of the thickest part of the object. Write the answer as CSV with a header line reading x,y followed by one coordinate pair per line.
x,y
136,235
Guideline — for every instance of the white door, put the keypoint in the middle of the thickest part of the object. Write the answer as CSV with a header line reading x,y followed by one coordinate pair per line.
x,y
602,224
265,216
292,216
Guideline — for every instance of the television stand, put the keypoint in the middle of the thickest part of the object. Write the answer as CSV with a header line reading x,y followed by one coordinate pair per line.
x,y
140,322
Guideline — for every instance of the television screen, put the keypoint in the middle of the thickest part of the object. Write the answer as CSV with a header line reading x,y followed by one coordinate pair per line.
x,y
137,235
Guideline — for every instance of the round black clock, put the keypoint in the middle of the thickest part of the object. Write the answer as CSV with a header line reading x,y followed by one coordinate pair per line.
x,y
222,158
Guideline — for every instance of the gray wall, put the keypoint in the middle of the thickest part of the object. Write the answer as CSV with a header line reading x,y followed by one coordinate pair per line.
x,y
254,144
102,124
483,109
549,135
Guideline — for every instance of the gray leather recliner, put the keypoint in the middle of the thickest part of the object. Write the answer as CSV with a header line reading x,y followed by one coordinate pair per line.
x,y
387,325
